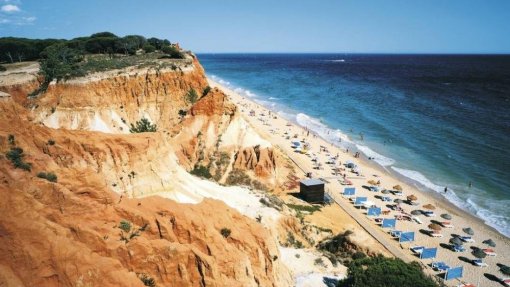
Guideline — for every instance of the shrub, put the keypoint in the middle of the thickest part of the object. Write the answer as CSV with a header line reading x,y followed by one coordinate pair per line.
x,y
143,126
182,113
206,91
172,52
292,241
15,155
51,142
148,48
2,68
147,280
191,96
305,208
381,272
225,232
238,177
125,226
201,171
358,255
50,176
319,262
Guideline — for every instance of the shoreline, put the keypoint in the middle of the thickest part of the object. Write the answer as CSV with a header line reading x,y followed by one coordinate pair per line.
x,y
451,206
461,218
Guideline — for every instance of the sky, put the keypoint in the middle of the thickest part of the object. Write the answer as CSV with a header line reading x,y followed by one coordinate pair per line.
x,y
383,26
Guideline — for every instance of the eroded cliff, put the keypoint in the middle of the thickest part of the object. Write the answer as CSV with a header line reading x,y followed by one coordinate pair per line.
x,y
72,232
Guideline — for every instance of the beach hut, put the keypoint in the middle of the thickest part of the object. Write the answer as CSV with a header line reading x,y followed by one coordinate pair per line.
x,y
311,190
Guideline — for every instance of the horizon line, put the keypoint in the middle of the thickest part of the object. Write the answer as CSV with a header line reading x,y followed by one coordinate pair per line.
x,y
369,53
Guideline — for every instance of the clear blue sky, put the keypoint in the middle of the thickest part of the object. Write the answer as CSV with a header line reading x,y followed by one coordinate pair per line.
x,y
386,26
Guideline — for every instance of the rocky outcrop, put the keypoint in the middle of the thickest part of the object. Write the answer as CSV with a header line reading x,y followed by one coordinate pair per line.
x,y
109,102
261,160
68,233
214,104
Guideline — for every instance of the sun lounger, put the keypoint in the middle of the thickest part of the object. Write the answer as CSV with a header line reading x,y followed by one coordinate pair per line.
x,y
429,213
467,239
386,198
417,249
397,193
489,252
479,263
395,233
505,281
458,248
447,224
434,234
440,266
373,188
466,285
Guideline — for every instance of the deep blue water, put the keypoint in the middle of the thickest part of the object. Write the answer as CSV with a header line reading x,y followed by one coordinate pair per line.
x,y
438,120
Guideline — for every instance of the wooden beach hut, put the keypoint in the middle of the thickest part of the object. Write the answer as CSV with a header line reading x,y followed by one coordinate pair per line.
x,y
311,190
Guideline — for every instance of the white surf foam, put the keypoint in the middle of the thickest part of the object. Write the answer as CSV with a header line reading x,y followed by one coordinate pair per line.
x,y
315,125
377,157
492,219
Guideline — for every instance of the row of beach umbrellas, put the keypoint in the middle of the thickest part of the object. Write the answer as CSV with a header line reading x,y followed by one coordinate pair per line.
x,y
478,253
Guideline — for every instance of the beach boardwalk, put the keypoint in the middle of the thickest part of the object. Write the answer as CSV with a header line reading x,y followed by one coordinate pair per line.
x,y
311,190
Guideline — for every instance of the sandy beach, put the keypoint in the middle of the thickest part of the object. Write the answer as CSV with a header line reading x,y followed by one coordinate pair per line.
x,y
281,132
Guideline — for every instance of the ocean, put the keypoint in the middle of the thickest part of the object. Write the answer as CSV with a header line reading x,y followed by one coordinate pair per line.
x,y
434,120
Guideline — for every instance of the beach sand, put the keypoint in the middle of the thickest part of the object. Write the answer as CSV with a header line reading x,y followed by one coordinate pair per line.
x,y
272,128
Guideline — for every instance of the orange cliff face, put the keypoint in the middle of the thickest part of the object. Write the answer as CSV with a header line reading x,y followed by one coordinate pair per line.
x,y
67,233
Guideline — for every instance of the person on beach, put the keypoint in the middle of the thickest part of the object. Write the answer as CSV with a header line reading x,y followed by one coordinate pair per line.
x,y
445,189
470,184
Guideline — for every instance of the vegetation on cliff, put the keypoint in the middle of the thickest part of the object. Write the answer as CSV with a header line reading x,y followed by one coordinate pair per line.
x,y
22,49
143,126
63,59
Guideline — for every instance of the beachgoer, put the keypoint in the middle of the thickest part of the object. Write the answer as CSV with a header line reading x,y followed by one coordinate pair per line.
x,y
445,189
470,184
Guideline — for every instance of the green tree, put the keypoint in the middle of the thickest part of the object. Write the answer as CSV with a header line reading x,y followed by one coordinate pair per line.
x,y
172,52
143,126
59,62
148,48
381,271
103,34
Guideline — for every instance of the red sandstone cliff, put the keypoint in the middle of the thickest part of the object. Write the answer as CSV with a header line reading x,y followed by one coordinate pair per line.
x,y
67,233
